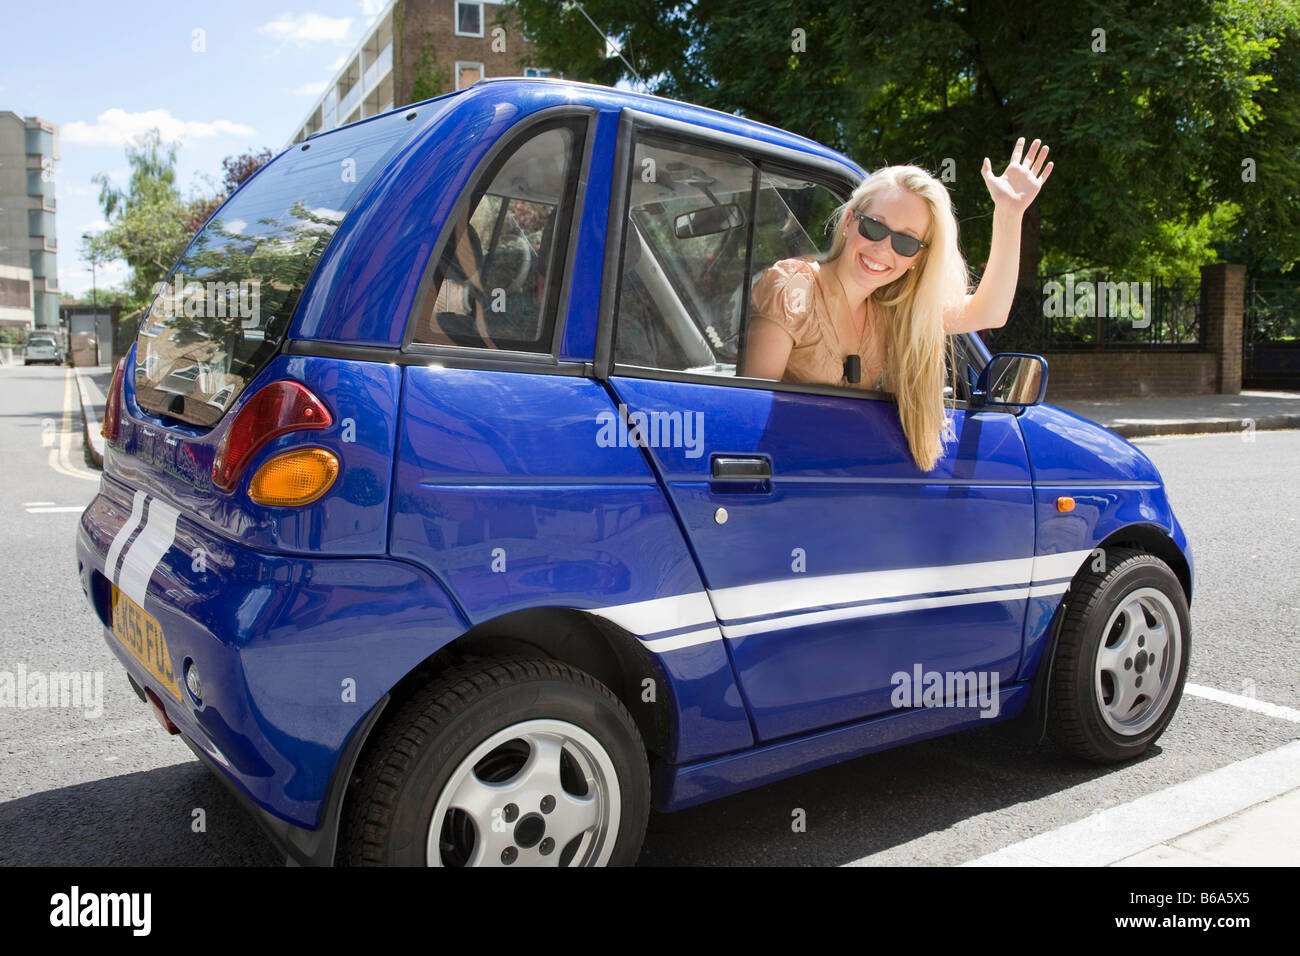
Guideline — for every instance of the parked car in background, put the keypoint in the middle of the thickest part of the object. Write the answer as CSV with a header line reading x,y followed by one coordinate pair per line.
x,y
43,347
469,545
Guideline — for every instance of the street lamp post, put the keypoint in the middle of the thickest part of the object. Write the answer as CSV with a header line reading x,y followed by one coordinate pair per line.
x,y
94,297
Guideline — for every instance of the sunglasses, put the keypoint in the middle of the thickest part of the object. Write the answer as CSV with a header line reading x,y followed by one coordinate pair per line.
x,y
875,230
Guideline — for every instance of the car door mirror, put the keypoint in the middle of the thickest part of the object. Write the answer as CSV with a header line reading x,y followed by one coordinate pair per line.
x,y
1010,380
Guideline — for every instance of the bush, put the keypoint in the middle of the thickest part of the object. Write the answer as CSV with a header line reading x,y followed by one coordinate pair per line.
x,y
13,336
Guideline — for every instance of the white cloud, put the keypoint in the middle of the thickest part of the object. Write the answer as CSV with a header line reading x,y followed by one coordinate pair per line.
x,y
303,28
338,64
63,189
311,89
107,275
371,8
97,225
117,127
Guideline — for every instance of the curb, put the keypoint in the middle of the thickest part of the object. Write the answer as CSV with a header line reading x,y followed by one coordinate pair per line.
x,y
94,440
1204,426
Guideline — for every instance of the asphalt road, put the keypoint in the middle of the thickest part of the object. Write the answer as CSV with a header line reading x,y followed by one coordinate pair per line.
x,y
113,789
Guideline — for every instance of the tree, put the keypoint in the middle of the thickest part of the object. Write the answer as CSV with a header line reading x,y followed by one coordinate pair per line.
x,y
147,221
1149,109
150,223
239,168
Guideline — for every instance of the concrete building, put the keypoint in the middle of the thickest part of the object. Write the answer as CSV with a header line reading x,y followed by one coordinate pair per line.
x,y
29,147
417,49
16,302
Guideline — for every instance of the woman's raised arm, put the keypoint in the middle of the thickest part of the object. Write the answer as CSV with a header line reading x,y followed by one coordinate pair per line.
x,y
988,306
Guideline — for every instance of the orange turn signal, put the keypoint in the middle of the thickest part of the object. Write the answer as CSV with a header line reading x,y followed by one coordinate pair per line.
x,y
1065,503
295,477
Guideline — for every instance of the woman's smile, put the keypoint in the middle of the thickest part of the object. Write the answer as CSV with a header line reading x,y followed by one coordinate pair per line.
x,y
872,265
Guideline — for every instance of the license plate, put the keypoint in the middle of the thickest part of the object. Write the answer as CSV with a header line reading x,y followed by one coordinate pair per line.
x,y
143,637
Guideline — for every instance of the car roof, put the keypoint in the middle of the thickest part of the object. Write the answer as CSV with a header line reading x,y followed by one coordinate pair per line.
x,y
533,93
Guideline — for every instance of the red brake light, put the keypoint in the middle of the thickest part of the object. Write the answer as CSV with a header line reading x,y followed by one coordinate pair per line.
x,y
113,409
277,408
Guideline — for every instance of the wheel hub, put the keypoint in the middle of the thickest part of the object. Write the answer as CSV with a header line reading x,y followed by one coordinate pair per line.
x,y
537,793
1138,662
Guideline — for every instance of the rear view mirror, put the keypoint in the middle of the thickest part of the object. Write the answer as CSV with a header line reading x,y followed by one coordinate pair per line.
x,y
1012,379
708,221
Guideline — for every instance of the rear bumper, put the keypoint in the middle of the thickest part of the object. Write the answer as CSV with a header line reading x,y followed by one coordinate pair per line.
x,y
296,655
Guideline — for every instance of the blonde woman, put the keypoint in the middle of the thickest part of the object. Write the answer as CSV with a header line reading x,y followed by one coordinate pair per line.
x,y
890,290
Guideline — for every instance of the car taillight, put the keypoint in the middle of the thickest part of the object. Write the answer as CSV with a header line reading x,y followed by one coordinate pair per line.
x,y
113,410
277,408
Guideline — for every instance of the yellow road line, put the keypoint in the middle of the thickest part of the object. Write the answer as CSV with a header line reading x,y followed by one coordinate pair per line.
x,y
60,457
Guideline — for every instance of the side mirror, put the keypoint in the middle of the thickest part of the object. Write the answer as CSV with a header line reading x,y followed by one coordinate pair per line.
x,y
1010,380
709,220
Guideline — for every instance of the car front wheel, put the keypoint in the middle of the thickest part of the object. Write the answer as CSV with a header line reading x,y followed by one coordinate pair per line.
x,y
1121,661
502,763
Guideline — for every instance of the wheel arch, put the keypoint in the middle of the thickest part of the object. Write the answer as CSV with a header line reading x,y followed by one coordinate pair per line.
x,y
610,654
1155,541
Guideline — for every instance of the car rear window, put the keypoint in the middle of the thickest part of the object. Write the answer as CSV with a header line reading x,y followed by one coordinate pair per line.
x,y
225,309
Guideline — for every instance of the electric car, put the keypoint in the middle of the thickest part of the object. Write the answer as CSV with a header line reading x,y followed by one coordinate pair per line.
x,y
438,521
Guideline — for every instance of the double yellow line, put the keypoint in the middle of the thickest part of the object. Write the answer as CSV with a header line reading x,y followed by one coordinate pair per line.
x,y
61,454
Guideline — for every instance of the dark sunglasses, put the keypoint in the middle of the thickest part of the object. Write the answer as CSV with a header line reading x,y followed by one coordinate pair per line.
x,y
875,230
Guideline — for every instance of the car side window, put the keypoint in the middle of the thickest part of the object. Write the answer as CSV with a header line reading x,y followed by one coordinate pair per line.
x,y
496,276
703,224
684,249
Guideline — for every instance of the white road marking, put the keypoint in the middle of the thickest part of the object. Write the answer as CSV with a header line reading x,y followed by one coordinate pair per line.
x,y
1245,703
1119,832
60,509
36,504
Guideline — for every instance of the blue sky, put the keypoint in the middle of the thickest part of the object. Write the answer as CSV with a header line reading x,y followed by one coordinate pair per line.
x,y
104,72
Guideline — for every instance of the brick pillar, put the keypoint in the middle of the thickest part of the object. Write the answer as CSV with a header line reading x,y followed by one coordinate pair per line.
x,y
1223,295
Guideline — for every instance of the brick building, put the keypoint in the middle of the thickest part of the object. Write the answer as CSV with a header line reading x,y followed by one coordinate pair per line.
x,y
417,49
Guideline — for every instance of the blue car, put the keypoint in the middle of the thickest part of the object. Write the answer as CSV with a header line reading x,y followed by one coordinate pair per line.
x,y
437,520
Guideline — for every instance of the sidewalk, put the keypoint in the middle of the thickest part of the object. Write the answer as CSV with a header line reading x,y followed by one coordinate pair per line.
x,y
1192,414
92,387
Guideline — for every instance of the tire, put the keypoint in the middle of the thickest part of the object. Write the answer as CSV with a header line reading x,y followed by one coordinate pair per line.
x,y
1121,660
545,762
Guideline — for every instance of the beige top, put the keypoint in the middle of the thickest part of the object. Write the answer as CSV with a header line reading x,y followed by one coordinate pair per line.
x,y
792,294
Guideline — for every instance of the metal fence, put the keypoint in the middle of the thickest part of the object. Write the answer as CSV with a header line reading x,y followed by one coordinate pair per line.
x,y
1271,334
1083,311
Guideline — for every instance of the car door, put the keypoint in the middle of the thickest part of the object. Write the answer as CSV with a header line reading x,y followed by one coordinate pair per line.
x,y
833,563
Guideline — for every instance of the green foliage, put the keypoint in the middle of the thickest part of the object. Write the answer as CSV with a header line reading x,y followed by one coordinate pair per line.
x,y
430,81
1148,133
12,336
148,220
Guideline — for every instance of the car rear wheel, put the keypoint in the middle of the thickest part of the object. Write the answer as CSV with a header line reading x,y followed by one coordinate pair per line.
x,y
502,763
1121,661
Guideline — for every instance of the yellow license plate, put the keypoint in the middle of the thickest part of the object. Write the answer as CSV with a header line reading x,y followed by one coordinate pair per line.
x,y
143,637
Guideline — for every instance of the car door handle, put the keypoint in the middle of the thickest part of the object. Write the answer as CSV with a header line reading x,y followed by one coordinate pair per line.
x,y
740,468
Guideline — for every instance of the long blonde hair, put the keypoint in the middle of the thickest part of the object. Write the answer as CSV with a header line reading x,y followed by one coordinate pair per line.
x,y
913,307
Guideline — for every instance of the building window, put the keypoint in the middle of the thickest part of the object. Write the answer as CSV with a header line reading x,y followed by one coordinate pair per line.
x,y
467,74
469,19
535,71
